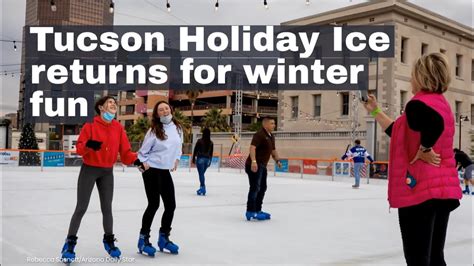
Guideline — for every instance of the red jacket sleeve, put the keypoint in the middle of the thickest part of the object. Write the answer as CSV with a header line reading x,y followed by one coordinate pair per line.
x,y
84,136
126,155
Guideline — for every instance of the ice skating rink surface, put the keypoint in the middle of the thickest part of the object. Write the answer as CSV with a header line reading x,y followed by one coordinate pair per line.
x,y
315,221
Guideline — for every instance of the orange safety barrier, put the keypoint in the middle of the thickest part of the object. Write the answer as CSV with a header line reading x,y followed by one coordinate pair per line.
x,y
215,155
26,150
303,165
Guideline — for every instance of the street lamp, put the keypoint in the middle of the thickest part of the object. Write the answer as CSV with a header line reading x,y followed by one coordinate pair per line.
x,y
461,119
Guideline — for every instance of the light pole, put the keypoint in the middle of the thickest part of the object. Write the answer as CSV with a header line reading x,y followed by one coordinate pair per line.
x,y
461,119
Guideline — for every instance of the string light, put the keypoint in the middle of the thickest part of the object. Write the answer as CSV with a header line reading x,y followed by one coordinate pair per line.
x,y
14,45
327,122
53,6
307,2
216,6
168,6
111,8
265,4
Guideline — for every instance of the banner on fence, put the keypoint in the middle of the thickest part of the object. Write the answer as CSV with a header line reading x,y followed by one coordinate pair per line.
x,y
342,169
309,167
9,158
379,170
53,159
214,162
184,161
284,166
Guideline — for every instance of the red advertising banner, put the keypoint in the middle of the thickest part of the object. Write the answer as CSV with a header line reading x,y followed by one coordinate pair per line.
x,y
309,167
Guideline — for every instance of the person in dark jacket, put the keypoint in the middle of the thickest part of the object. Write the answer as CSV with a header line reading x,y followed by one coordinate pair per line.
x,y
202,157
463,161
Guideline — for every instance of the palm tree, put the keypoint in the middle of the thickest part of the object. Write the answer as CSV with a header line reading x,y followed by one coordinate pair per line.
x,y
136,132
255,126
185,124
192,97
215,121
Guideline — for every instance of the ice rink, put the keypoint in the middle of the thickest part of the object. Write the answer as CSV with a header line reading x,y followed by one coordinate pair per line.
x,y
315,221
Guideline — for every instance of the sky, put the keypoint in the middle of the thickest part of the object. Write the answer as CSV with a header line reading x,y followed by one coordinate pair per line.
x,y
191,12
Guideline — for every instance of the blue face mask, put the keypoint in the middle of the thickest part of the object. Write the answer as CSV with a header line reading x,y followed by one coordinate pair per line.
x,y
166,119
108,116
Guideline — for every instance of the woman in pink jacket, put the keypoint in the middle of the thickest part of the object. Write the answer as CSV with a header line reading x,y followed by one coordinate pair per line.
x,y
423,182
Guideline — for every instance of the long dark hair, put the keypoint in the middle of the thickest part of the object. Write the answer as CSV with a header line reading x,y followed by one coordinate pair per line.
x,y
157,126
206,139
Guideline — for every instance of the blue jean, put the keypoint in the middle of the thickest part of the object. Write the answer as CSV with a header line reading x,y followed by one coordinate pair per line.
x,y
202,163
258,186
357,168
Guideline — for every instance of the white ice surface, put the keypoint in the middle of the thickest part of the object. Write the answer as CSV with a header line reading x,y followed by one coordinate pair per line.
x,y
314,221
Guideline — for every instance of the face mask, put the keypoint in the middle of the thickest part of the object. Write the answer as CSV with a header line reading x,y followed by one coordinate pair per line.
x,y
166,119
108,116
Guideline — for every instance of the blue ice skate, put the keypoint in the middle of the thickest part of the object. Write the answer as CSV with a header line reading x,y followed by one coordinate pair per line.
x,y
267,215
201,191
164,243
144,245
67,254
110,247
256,216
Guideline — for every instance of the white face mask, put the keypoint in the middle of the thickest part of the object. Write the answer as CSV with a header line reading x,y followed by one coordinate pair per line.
x,y
166,119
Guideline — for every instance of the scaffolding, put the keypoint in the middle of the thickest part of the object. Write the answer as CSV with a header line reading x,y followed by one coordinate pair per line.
x,y
237,118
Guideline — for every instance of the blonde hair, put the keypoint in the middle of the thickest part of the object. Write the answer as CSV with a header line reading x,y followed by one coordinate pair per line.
x,y
432,73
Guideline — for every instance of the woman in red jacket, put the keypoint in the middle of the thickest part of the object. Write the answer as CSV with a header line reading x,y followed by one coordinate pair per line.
x,y
99,144
423,182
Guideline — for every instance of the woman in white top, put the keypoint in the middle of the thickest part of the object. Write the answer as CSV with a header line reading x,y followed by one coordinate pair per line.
x,y
158,155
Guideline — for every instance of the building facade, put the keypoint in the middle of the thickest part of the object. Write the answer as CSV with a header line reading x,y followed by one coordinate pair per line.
x,y
417,31
67,12
140,103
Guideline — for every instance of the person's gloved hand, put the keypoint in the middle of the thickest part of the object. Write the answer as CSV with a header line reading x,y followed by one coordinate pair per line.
x,y
94,144
139,164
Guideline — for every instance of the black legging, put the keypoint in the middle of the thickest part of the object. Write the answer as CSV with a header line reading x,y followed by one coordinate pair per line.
x,y
423,229
158,182
88,177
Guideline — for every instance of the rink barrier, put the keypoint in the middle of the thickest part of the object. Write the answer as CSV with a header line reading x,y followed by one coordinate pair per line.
x,y
332,167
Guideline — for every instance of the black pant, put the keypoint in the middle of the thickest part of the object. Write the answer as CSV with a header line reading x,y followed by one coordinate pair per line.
x,y
258,186
88,177
423,229
158,182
